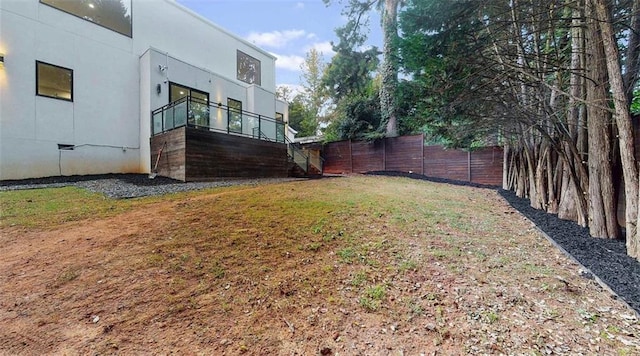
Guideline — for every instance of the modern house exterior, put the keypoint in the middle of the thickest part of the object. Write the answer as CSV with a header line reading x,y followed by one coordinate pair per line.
x,y
133,86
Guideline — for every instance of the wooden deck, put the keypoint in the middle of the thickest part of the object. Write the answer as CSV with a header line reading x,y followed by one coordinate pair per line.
x,y
192,154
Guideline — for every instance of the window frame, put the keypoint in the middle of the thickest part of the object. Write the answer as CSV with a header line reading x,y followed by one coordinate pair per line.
x,y
189,89
38,81
232,110
130,35
202,106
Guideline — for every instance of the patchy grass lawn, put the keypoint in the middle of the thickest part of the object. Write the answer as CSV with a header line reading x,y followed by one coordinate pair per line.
x,y
356,265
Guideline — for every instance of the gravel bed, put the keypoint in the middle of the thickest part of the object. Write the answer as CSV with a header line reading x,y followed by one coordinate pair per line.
x,y
124,186
605,258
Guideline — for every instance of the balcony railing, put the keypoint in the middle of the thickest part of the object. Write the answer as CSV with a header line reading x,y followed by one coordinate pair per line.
x,y
194,112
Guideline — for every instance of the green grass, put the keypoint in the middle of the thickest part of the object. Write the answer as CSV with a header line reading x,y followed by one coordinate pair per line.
x,y
359,279
347,255
372,298
53,206
417,253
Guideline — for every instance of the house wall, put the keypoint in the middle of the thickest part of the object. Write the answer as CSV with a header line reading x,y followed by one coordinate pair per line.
x,y
101,118
114,84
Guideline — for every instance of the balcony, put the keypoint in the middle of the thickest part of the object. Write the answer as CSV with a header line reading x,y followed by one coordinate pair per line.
x,y
193,140
196,113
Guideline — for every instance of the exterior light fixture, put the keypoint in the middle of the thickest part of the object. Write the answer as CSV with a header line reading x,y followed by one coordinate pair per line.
x,y
1,60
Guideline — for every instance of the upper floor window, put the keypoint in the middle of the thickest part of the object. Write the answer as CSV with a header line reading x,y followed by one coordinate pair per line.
x,y
112,14
248,69
53,81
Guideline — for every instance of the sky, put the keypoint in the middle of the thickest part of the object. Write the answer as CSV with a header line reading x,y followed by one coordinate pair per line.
x,y
287,29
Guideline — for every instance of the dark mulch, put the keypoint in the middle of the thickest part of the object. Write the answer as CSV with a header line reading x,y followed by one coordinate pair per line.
x,y
606,258
135,179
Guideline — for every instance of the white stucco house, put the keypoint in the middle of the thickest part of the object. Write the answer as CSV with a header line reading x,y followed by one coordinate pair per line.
x,y
86,87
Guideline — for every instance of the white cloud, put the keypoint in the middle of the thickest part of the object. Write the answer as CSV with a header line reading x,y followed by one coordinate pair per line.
x,y
365,48
323,47
275,39
291,62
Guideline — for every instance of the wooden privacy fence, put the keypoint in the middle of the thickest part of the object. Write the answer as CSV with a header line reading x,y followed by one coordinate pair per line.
x,y
409,154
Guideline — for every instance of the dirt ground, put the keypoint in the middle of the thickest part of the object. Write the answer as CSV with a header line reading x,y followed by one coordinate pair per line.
x,y
377,270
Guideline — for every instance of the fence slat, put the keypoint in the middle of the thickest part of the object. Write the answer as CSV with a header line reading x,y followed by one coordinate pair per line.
x,y
408,154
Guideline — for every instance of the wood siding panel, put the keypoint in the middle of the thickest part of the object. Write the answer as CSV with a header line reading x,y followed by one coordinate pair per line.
x,y
337,157
446,164
404,154
211,154
199,155
172,159
407,153
367,156
486,166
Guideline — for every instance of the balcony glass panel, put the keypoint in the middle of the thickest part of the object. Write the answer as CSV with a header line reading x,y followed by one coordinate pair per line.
x,y
195,112
269,130
180,114
157,122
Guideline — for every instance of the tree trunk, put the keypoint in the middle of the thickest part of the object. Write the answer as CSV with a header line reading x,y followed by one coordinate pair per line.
x,y
531,176
567,209
541,177
625,129
505,166
633,52
389,71
552,184
567,206
602,212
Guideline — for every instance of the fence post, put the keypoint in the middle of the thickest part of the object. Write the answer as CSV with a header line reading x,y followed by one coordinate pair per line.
x,y
350,156
469,165
384,153
422,144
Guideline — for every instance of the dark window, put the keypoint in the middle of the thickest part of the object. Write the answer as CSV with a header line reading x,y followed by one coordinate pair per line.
x,y
112,14
235,115
53,81
248,69
198,105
